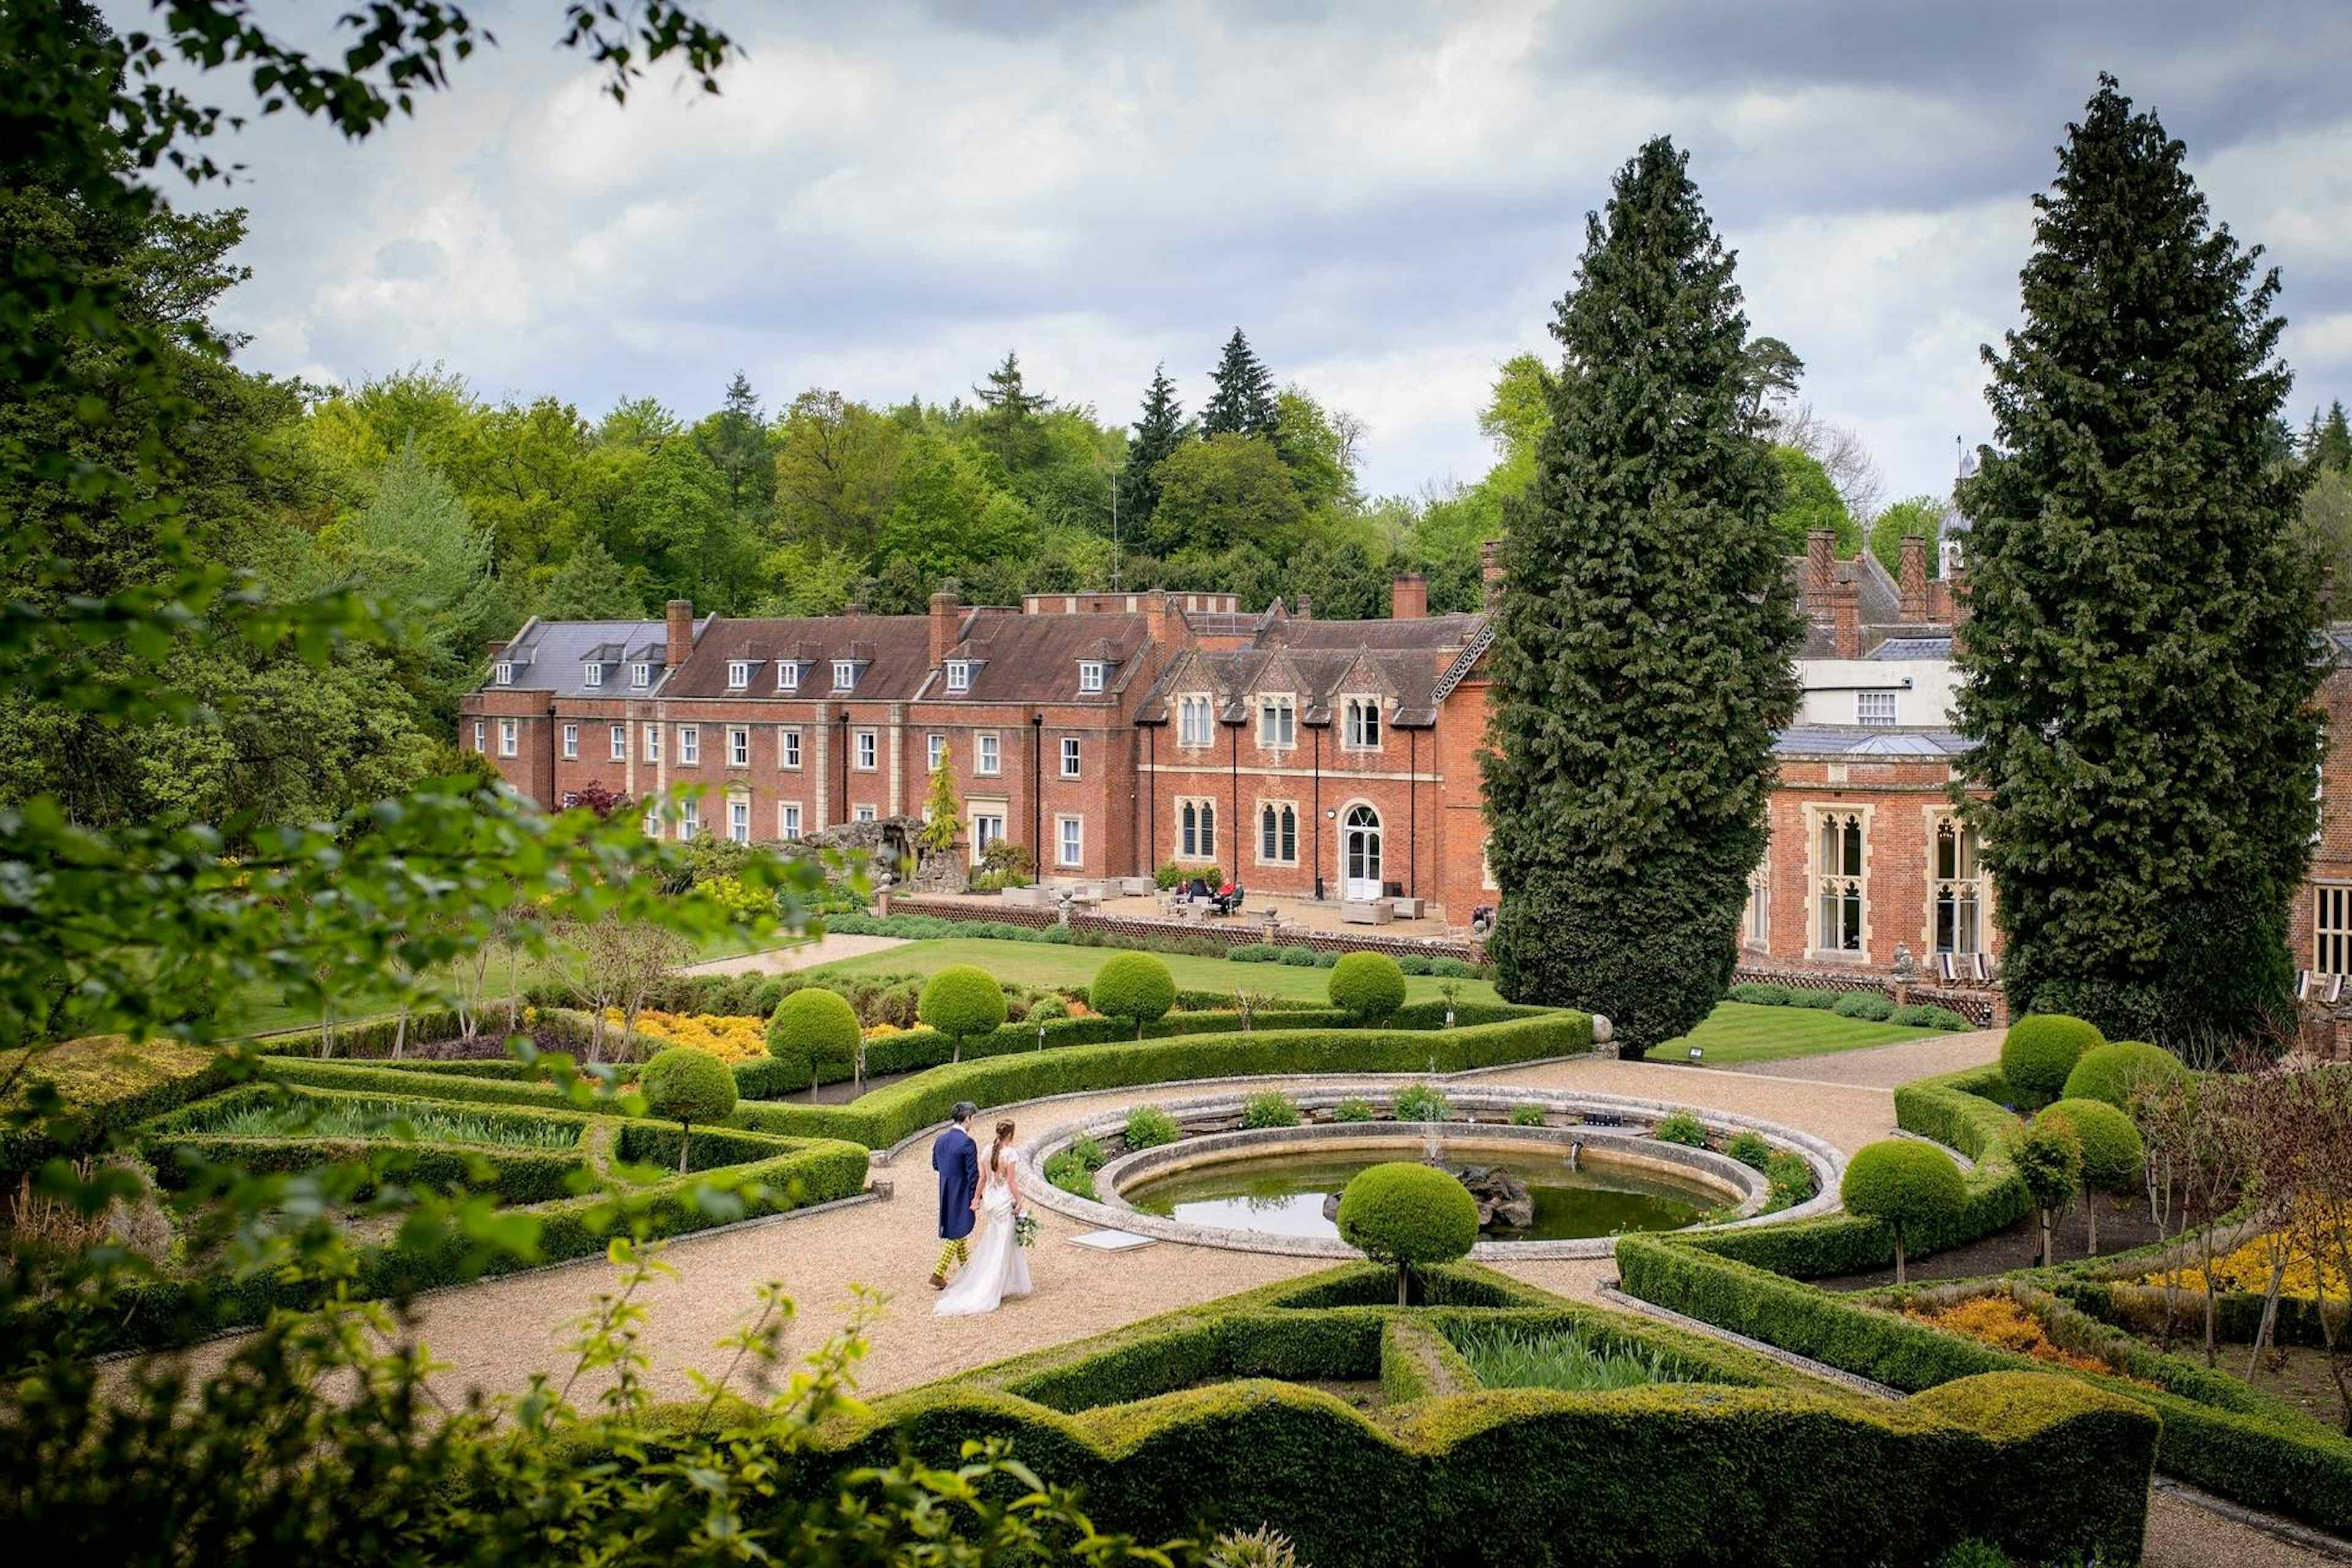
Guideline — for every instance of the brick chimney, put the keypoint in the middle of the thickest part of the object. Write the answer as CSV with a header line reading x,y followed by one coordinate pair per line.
x,y
947,617
1913,579
1490,571
1408,597
1163,621
1830,599
681,632
1305,608
1821,562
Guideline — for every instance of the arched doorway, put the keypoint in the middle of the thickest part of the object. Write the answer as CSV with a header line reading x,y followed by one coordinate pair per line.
x,y
1359,854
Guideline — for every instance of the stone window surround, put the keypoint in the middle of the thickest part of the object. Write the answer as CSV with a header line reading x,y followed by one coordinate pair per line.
x,y
1062,843
1203,851
1257,842
1816,874
1368,704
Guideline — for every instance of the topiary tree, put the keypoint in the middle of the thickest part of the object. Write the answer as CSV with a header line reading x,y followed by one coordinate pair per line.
x,y
1132,985
1409,1215
688,1086
818,1026
963,1001
1632,754
2141,610
2113,1072
2048,1155
1905,1185
2041,1049
1368,985
2113,1155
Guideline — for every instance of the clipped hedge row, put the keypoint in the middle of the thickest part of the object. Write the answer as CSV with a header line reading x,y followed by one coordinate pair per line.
x,y
2217,1432
368,1036
515,1175
109,1085
794,1173
1418,1363
1955,1110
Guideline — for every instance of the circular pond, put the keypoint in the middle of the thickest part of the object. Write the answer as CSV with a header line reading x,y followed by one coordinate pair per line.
x,y
1293,1194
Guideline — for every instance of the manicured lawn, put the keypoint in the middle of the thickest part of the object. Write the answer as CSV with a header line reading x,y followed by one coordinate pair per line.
x,y
1043,964
1743,1032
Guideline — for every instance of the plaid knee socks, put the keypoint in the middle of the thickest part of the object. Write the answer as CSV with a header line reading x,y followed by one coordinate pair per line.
x,y
951,1254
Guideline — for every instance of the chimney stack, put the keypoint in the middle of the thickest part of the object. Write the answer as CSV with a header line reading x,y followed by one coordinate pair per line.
x,y
947,618
1914,578
1408,597
1163,621
1305,608
681,632
1490,571
1821,560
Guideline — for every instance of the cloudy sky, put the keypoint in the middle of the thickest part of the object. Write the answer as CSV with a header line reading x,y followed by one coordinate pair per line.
x,y
1387,198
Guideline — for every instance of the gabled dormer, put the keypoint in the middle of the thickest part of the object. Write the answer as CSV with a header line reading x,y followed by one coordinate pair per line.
x,y
850,664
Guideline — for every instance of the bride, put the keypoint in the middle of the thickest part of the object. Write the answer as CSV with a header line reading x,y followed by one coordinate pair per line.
x,y
999,1266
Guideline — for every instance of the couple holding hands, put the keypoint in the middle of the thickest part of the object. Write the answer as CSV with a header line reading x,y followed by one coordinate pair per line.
x,y
973,1187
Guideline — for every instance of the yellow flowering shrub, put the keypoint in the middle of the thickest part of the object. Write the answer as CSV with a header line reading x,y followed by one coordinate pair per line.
x,y
2249,1268
729,1038
2005,1324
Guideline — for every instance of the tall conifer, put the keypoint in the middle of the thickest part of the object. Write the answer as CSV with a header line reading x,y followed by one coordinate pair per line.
x,y
2140,655
1159,431
1642,655
1244,403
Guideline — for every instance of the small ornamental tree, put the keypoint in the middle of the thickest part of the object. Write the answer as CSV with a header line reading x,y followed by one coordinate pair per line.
x,y
937,834
2049,1158
2113,1155
1907,1185
1368,985
963,1001
1641,648
688,1086
816,1025
1408,1215
2113,1073
1132,985
2041,1049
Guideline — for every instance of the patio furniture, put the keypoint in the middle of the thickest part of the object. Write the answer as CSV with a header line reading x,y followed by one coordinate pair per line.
x,y
1228,903
1366,912
1137,887
1407,909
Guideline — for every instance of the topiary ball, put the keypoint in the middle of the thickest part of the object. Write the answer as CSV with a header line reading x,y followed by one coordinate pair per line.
x,y
963,1001
2042,1048
2113,1155
816,1026
1368,985
688,1085
1409,1215
1903,1182
2110,1072
1132,985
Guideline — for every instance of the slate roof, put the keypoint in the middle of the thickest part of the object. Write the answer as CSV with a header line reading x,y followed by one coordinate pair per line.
x,y
1866,741
1410,665
1913,647
549,656
1036,659
894,651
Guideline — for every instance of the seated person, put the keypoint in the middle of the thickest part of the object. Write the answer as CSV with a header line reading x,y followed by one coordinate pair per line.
x,y
1195,890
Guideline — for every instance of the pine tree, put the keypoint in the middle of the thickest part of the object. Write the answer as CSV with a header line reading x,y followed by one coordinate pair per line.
x,y
1244,403
1159,431
1642,655
2332,451
2139,658
1009,414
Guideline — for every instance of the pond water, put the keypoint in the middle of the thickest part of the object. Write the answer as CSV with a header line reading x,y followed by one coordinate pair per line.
x,y
1282,1194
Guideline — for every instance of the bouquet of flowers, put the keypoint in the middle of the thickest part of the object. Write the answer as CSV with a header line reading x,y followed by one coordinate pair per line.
x,y
1024,1230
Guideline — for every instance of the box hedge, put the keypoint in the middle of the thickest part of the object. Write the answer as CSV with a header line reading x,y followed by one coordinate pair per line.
x,y
2217,1432
107,1085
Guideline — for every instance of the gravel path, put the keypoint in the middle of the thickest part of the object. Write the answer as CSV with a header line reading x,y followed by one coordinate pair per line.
x,y
801,955
1887,1066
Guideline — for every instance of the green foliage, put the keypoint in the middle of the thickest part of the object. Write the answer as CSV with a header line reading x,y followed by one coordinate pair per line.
x,y
1408,1215
963,1001
688,1085
1508,1356
1355,1108
1149,1127
1299,957
1633,750
940,811
2111,1153
1761,995
1680,1127
1750,1149
1789,1181
1904,1183
2114,1072
1368,985
1132,985
1808,501
2041,1049
1918,1016
2141,611
2048,1155
1244,403
1225,491
1864,1004
1422,1102
814,1025
1271,1109
1527,1115
1254,952
1819,1001
1917,517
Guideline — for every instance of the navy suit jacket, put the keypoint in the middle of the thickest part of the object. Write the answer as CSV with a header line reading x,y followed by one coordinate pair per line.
x,y
957,1160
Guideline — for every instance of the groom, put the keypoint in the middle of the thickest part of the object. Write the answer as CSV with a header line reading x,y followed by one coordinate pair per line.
x,y
957,1160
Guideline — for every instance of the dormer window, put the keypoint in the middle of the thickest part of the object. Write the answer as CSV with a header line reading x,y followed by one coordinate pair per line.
x,y
641,675
1277,721
959,674
592,674
788,676
739,674
844,674
1090,675
505,673
1363,726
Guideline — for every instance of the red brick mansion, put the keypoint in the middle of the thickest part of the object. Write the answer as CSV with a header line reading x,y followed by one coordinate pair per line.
x,y
1309,759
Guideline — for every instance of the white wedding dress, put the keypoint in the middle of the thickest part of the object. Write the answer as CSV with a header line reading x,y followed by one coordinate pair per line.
x,y
999,1267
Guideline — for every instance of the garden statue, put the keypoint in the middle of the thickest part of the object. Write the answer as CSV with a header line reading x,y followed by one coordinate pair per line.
x,y
1906,968
1062,902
